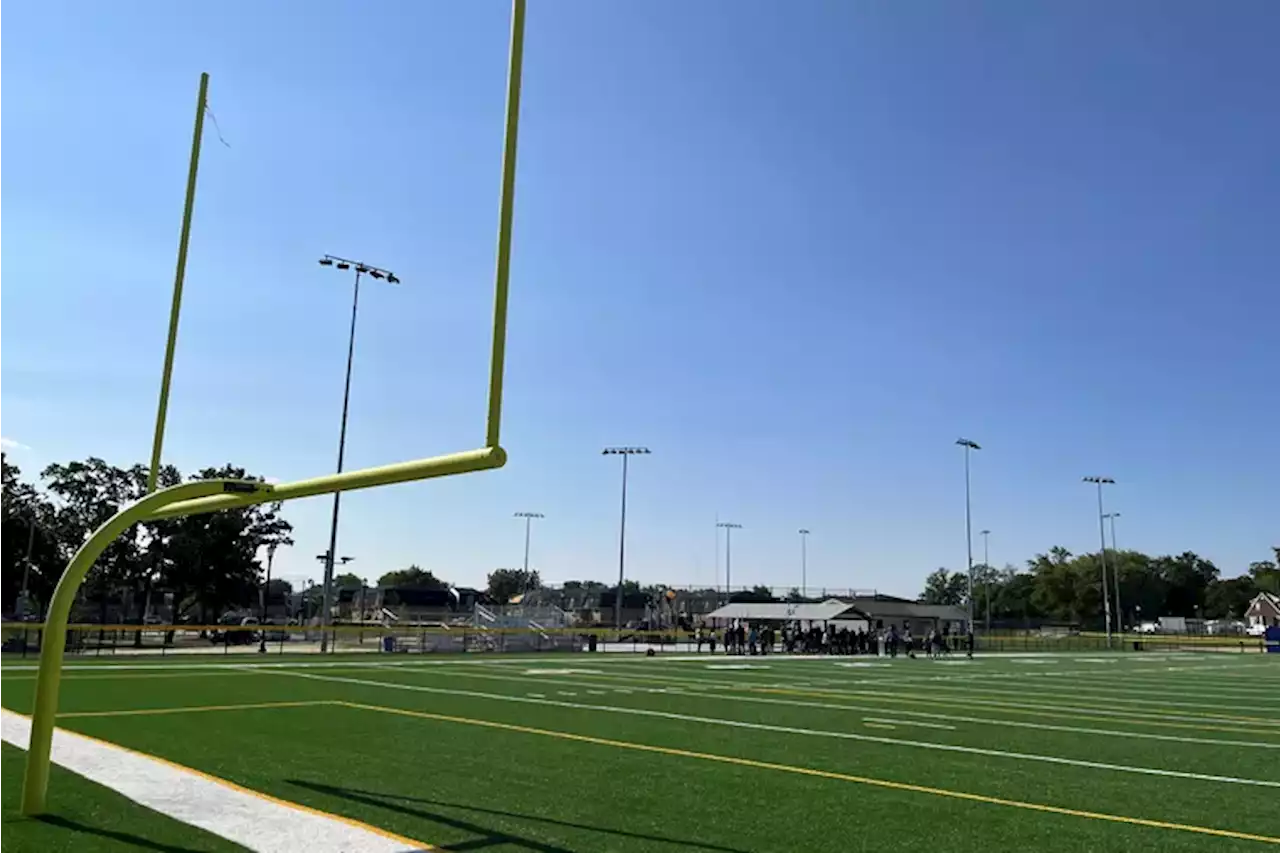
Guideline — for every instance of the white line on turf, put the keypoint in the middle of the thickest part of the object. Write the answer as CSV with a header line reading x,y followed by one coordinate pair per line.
x,y
669,715
852,703
901,722
250,819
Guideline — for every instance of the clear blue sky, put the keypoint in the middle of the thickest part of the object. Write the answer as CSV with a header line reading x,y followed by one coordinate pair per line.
x,y
795,248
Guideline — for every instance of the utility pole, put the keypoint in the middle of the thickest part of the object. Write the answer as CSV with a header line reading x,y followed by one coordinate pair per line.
x,y
729,527
986,568
804,561
1115,574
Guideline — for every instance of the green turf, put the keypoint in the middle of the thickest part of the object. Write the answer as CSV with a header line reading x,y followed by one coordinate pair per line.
x,y
457,783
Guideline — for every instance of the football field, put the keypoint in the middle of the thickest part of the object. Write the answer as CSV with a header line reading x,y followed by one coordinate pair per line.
x,y
580,752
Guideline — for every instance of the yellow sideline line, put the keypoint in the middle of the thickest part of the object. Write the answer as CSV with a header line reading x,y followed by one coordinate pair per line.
x,y
197,709
826,774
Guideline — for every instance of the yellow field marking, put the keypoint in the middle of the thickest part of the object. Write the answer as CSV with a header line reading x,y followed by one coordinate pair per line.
x,y
411,843
825,774
196,709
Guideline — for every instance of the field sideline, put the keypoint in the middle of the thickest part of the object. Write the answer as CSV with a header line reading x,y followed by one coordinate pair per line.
x,y
576,752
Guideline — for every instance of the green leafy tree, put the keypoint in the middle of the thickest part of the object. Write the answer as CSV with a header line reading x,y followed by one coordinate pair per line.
x,y
413,576
1266,574
347,580
505,584
945,587
1228,599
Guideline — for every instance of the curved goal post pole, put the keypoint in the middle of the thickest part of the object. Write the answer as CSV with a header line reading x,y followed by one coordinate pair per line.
x,y
54,639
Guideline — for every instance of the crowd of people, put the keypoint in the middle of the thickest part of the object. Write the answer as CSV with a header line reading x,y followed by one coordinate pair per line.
x,y
742,638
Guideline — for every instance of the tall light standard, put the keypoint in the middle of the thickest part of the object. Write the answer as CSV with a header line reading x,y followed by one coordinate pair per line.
x,y
374,272
1115,574
804,561
1102,554
968,446
986,570
266,593
528,521
729,527
625,453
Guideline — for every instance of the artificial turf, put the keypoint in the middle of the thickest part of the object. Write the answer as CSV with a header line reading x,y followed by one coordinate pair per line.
x,y
615,752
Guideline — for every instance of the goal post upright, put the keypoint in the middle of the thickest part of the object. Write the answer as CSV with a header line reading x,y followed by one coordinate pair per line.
x,y
203,496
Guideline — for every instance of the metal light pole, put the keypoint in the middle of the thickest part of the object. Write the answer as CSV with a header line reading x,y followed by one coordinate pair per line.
x,y
528,521
729,527
1115,573
266,592
804,561
1102,554
968,519
625,453
375,272
986,568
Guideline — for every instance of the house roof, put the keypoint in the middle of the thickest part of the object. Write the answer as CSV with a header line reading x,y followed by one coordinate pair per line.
x,y
884,607
1264,597
783,611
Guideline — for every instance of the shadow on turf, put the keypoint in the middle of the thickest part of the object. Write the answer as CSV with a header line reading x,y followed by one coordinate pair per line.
x,y
123,837
490,837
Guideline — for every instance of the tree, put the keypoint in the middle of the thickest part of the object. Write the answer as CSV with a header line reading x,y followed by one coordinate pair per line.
x,y
210,561
756,595
945,587
1266,574
505,584
347,580
413,576
1230,598
795,596
29,519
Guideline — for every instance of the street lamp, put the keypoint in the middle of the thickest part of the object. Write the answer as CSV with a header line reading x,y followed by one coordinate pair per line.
x,y
729,527
344,264
804,561
625,453
1102,535
1115,573
528,521
986,570
968,446
266,593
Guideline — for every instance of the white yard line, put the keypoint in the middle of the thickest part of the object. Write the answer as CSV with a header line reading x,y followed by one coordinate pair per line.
x,y
668,715
248,818
852,703
735,690
901,722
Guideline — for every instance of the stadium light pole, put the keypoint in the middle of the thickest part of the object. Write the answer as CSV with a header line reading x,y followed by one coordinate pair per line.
x,y
626,453
968,446
361,268
729,527
1115,574
528,523
1102,554
804,561
986,568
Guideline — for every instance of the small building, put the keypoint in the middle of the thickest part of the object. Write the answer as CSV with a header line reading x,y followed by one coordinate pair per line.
x,y
1263,611
833,610
881,611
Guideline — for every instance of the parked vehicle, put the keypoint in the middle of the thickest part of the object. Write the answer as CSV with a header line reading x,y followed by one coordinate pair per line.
x,y
232,637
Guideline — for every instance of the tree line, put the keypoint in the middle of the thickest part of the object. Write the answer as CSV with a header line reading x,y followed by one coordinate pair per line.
x,y
1063,587
208,562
